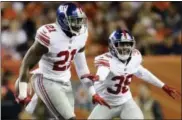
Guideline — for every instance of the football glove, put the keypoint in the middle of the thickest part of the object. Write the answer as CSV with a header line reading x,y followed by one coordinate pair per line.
x,y
24,101
97,99
171,91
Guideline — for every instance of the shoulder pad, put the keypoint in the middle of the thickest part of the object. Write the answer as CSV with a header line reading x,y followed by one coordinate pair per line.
x,y
43,36
102,60
136,53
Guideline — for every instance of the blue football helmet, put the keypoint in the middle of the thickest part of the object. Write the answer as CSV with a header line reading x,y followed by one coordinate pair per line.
x,y
121,44
71,18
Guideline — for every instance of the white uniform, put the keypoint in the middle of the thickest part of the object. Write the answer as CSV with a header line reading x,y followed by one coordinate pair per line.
x,y
51,81
56,63
113,86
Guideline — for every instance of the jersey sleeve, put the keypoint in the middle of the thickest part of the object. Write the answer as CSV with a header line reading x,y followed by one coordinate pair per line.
x,y
147,76
43,37
102,60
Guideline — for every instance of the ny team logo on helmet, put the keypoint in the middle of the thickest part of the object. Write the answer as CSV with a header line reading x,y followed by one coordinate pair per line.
x,y
121,44
71,18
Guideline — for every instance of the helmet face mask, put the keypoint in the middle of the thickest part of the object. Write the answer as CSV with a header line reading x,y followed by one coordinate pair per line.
x,y
77,25
124,48
121,47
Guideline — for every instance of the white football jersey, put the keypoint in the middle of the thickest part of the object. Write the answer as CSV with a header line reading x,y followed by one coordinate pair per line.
x,y
115,88
56,63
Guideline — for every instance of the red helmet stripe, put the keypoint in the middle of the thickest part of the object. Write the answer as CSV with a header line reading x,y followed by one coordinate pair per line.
x,y
124,32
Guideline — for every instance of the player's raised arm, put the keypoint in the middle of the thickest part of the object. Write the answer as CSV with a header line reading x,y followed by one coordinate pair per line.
x,y
87,78
147,76
31,58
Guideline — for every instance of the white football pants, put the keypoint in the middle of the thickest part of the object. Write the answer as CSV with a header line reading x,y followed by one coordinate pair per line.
x,y
128,110
57,96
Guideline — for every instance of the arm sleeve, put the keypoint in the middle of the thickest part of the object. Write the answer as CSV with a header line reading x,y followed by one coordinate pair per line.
x,y
147,76
81,64
82,69
102,72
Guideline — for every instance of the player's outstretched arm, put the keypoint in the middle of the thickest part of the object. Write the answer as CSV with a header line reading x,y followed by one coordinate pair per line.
x,y
31,58
86,78
147,76
83,71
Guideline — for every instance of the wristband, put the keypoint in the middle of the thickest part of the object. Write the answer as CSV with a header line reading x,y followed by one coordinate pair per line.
x,y
22,90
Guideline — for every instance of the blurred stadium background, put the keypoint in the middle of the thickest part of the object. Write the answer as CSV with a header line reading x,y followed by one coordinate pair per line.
x,y
155,25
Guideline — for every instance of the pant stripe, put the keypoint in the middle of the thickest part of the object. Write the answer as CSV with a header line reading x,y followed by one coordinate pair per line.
x,y
46,97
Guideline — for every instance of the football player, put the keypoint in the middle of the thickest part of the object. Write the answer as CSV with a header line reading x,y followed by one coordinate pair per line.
x,y
55,46
115,70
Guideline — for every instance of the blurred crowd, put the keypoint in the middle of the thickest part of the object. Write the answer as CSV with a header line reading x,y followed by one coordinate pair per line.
x,y
155,25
